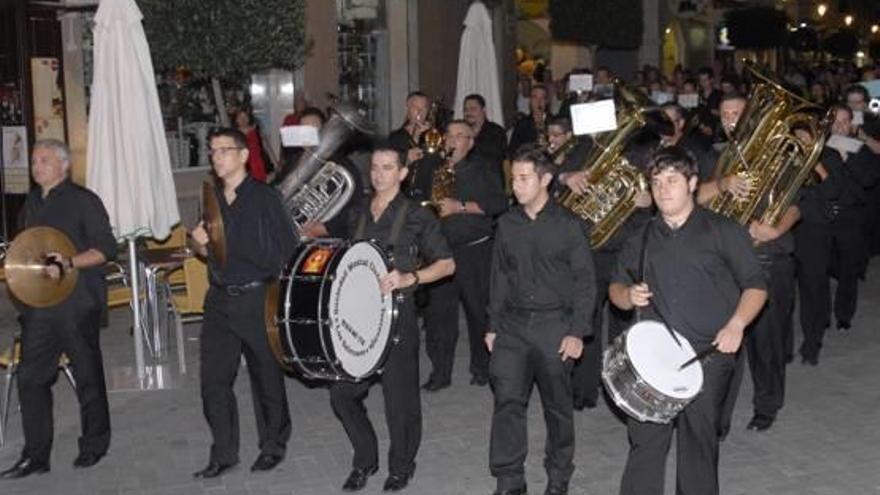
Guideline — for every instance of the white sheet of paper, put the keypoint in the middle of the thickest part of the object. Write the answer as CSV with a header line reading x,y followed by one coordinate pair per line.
x,y
661,97
580,83
592,118
873,87
843,143
299,135
858,118
689,100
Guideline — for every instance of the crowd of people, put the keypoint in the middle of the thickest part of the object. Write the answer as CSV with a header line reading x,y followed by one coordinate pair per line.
x,y
480,223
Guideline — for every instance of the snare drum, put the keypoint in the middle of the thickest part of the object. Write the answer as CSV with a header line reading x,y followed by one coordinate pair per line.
x,y
327,317
641,373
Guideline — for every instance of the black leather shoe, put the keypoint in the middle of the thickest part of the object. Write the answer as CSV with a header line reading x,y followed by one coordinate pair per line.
x,y
760,422
397,482
843,325
435,385
513,491
556,488
266,462
25,467
581,404
811,360
212,470
480,380
357,479
86,459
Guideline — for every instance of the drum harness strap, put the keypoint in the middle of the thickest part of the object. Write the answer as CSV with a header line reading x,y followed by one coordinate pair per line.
x,y
641,279
396,228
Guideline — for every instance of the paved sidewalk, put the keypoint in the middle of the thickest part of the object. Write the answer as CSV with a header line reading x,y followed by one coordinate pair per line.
x,y
826,440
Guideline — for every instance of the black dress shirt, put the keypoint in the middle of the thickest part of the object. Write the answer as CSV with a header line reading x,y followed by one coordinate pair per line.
x,y
420,238
401,140
80,215
842,190
260,236
696,272
524,132
491,143
540,265
474,181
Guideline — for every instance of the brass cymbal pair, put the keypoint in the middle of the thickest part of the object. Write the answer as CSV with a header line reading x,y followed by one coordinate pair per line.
x,y
26,262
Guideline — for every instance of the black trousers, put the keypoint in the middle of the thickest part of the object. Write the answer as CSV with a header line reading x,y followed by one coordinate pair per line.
x,y
815,246
768,337
44,338
403,407
233,326
470,285
587,371
525,353
697,441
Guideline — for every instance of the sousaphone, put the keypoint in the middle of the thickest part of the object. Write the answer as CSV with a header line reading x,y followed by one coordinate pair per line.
x,y
26,263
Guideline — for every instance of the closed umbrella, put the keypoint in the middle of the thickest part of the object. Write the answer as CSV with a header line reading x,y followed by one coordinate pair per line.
x,y
128,162
477,65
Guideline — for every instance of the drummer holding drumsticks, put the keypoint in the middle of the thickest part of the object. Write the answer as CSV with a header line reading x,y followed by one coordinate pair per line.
x,y
702,278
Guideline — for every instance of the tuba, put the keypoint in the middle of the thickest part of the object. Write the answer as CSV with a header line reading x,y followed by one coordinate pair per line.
x,y
764,149
613,182
317,189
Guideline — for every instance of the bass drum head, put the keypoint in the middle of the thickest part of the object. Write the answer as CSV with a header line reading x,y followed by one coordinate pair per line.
x,y
360,315
656,358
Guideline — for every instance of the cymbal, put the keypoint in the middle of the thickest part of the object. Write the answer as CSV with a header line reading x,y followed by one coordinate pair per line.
x,y
213,223
25,264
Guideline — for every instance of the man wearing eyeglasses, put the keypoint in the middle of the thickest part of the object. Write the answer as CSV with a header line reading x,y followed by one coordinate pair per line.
x,y
259,239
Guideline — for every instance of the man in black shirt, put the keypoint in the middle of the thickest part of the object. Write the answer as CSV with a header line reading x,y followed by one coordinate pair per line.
x,y
702,278
467,220
260,238
532,128
541,305
408,138
69,327
490,140
833,212
411,234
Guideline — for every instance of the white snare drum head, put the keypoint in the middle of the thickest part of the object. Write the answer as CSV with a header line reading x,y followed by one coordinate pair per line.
x,y
360,316
657,358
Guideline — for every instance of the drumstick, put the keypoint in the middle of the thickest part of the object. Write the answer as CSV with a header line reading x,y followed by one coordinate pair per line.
x,y
698,357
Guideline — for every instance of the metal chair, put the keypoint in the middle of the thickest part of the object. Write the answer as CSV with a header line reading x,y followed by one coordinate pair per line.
x,y
10,360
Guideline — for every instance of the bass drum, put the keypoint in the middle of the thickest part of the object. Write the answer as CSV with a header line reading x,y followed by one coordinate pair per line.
x,y
327,318
641,373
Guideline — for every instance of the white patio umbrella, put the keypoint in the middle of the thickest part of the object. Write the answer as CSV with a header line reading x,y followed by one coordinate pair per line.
x,y
477,64
128,162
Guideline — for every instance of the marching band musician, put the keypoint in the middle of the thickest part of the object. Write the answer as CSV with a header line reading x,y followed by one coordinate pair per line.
x,y
542,296
407,139
568,153
70,327
490,140
531,128
467,223
411,233
260,237
767,339
702,277
833,214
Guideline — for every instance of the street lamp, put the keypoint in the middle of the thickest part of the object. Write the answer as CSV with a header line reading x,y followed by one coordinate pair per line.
x,y
821,9
848,20
874,29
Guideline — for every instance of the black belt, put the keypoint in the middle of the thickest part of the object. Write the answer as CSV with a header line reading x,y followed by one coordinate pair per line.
x,y
239,289
527,311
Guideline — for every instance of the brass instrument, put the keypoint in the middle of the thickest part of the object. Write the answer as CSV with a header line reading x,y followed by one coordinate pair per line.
x,y
557,155
433,140
317,188
442,187
764,150
613,182
26,263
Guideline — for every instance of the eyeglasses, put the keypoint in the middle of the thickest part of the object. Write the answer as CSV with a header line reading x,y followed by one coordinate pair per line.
x,y
223,151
